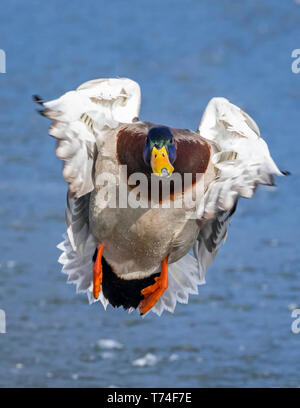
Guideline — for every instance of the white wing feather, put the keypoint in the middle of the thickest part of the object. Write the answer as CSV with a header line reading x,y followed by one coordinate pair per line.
x,y
79,118
243,161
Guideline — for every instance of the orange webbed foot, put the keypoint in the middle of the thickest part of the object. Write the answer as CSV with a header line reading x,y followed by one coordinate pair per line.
x,y
97,273
153,292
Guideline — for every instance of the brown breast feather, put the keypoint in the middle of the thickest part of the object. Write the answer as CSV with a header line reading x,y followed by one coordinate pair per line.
x,y
193,152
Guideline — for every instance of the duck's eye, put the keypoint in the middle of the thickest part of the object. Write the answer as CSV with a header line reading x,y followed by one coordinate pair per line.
x,y
163,155
155,155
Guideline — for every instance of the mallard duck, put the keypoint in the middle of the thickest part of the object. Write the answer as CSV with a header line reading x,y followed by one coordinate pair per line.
x,y
125,244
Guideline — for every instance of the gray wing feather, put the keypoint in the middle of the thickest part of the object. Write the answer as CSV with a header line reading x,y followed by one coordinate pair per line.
x,y
211,235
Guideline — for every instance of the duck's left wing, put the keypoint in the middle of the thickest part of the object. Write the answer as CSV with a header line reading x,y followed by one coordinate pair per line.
x,y
243,160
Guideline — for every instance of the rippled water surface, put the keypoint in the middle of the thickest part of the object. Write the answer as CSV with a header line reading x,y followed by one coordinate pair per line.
x,y
237,331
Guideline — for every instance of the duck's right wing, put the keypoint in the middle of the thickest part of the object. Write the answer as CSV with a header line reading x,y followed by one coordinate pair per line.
x,y
80,119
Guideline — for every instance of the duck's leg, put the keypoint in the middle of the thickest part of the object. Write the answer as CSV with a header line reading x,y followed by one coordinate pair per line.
x,y
97,272
153,293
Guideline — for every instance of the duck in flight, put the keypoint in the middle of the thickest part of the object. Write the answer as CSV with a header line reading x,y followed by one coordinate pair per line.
x,y
127,243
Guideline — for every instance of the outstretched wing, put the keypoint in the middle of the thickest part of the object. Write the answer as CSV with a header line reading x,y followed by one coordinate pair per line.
x,y
79,120
243,160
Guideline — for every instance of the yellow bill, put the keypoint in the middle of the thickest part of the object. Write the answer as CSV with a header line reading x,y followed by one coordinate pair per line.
x,y
160,162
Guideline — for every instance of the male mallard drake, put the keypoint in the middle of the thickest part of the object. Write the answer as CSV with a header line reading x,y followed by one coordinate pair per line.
x,y
122,245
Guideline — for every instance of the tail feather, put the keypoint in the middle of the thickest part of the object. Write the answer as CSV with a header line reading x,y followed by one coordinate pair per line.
x,y
184,278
